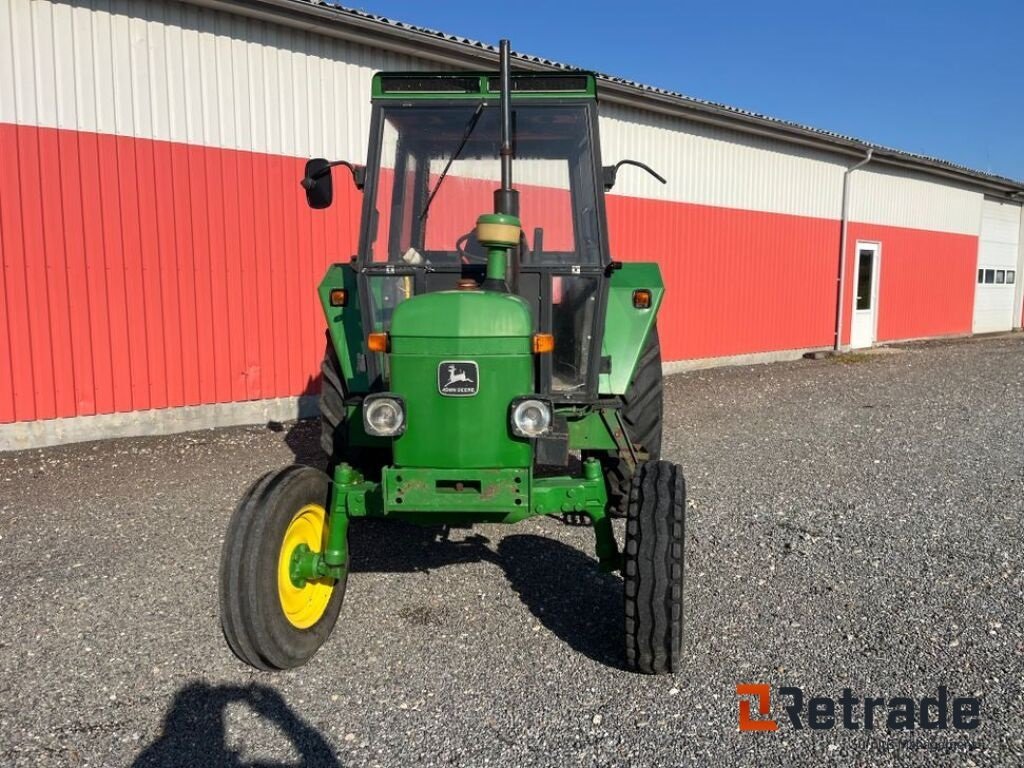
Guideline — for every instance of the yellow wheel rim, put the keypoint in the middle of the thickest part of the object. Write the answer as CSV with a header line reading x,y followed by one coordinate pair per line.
x,y
303,606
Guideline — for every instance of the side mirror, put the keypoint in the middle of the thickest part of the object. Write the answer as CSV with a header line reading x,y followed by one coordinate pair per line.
x,y
318,183
609,172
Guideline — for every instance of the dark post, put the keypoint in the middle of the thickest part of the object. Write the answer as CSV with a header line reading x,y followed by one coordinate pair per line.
x,y
506,199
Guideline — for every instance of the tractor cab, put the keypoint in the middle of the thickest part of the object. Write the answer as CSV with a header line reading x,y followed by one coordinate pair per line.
x,y
434,165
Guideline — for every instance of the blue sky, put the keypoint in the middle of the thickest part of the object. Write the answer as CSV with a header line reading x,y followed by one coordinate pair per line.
x,y
944,78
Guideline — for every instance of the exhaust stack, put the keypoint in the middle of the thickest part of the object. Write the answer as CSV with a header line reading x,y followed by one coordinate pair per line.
x,y
499,232
506,199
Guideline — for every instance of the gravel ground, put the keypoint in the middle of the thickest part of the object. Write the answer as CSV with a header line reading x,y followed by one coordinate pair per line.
x,y
851,525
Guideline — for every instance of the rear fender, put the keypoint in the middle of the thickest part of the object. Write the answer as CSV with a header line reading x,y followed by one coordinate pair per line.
x,y
625,326
345,325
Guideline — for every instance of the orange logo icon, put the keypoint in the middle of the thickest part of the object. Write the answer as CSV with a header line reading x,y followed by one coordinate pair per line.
x,y
763,695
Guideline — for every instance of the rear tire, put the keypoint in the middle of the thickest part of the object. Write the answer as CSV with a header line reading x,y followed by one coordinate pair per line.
x,y
333,413
641,411
334,426
653,568
258,627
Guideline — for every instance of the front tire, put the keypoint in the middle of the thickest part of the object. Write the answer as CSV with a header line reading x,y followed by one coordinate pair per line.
x,y
653,568
268,622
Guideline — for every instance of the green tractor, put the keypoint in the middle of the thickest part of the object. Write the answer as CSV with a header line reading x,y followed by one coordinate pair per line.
x,y
477,370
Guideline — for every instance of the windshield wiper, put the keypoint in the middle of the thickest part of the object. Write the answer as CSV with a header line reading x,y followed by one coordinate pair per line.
x,y
473,120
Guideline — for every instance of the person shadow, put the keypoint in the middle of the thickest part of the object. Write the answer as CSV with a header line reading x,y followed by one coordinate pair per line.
x,y
194,732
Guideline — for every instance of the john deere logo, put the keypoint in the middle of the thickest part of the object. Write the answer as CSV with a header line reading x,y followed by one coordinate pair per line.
x,y
458,378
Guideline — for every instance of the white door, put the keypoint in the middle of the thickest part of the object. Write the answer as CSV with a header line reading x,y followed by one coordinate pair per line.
x,y
865,296
996,282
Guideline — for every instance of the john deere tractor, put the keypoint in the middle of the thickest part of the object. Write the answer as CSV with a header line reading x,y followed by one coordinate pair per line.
x,y
487,361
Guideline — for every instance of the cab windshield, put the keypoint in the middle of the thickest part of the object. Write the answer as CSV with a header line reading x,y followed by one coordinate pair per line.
x,y
553,170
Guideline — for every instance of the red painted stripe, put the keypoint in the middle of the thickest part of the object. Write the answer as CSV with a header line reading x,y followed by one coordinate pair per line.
x,y
170,325
185,274
234,283
77,293
34,266
307,274
203,265
162,275
737,282
278,306
59,331
134,296
119,303
94,255
219,260
291,266
263,308
247,289
19,401
149,259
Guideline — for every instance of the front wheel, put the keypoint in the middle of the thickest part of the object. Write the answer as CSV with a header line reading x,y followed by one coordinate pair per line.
x,y
269,621
653,568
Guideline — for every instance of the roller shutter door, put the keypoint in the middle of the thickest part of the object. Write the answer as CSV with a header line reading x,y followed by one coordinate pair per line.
x,y
998,270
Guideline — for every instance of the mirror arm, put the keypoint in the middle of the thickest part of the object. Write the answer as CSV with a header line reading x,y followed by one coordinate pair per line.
x,y
611,171
358,174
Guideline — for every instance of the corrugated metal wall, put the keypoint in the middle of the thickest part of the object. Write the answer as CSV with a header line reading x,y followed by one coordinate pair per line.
x,y
746,230
157,250
906,200
174,72
718,167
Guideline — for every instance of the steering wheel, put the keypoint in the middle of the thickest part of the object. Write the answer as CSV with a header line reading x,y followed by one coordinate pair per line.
x,y
468,258
465,256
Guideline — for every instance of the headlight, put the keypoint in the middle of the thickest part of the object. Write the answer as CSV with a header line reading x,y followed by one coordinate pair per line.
x,y
531,417
384,415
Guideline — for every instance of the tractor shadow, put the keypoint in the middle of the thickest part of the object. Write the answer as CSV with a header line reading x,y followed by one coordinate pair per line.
x,y
559,585
303,439
564,590
194,731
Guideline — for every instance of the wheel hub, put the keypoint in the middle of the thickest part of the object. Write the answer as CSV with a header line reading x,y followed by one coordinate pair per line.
x,y
303,592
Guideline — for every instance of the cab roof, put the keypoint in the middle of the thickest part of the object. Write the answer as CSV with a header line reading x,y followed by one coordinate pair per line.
x,y
482,85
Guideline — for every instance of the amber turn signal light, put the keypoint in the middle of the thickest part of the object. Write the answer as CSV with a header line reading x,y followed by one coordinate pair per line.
x,y
543,343
642,298
378,342
339,297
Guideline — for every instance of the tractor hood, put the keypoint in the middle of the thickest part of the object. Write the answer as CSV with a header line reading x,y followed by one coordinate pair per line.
x,y
462,314
458,359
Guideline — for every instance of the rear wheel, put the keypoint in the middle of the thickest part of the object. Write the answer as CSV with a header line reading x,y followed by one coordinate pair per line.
x,y
268,621
653,568
641,411
334,426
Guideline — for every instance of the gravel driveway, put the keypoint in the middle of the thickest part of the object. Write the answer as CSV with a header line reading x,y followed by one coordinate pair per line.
x,y
852,525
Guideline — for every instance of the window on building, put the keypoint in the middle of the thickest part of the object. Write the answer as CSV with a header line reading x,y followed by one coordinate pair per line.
x,y
990,276
1010,276
1000,276
981,275
864,279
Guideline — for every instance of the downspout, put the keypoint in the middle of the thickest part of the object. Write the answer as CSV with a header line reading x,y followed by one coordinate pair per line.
x,y
845,225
